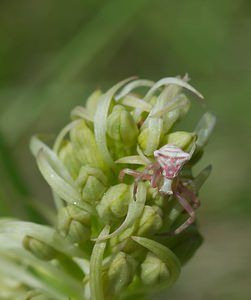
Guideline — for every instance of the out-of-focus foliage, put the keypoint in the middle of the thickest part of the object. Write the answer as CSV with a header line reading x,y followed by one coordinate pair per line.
x,y
53,53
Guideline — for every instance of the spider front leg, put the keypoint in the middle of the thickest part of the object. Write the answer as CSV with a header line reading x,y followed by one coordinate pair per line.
x,y
156,175
137,175
130,172
191,195
189,209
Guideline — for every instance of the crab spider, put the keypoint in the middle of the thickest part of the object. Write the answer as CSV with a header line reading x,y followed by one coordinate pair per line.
x,y
162,174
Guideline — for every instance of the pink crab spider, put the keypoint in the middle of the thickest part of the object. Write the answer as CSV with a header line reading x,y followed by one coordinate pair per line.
x,y
162,173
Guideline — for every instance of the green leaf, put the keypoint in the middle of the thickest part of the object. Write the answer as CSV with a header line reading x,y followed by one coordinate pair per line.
x,y
204,129
199,180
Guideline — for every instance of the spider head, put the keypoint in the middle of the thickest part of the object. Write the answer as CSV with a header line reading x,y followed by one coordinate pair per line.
x,y
171,159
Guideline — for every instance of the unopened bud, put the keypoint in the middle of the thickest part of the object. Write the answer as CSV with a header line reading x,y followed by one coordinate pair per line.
x,y
121,126
148,140
150,221
39,248
115,202
68,156
92,183
85,146
121,272
181,139
153,270
74,223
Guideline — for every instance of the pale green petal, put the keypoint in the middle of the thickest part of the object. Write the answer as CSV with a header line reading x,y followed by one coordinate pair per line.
x,y
36,145
96,285
100,122
82,113
134,159
135,102
171,105
172,80
128,88
62,134
65,190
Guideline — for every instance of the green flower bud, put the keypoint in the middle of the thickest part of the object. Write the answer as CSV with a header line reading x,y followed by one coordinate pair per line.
x,y
121,272
92,183
148,140
121,126
153,270
181,139
150,221
115,202
39,248
84,143
74,223
68,156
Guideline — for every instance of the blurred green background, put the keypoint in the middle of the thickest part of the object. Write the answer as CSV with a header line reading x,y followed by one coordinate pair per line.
x,y
53,53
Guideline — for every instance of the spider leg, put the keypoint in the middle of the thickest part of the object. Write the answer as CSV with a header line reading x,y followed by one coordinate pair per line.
x,y
189,209
138,177
135,188
191,195
130,172
142,176
155,178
